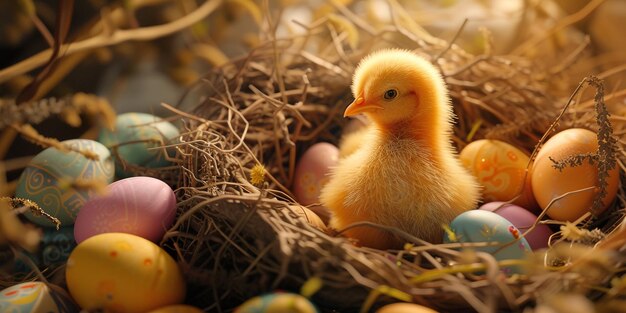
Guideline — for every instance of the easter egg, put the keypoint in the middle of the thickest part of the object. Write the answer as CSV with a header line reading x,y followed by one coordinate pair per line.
x,y
136,137
180,308
56,245
308,216
483,226
405,308
499,168
549,183
54,248
523,220
121,272
277,303
142,206
36,297
311,174
46,180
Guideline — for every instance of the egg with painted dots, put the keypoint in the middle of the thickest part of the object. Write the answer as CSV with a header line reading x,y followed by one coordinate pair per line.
x,y
36,297
500,169
311,175
47,179
124,273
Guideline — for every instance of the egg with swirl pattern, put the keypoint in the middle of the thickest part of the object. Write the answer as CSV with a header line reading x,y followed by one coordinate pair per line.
x,y
136,141
47,179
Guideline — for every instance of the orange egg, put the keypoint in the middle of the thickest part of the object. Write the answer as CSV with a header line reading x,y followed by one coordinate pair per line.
x,y
405,308
549,183
499,168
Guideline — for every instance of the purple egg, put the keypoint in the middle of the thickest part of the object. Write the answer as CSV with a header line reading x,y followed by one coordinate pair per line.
x,y
523,220
142,206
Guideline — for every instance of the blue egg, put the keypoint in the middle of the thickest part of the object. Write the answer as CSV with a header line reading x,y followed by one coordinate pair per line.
x,y
137,137
484,226
46,180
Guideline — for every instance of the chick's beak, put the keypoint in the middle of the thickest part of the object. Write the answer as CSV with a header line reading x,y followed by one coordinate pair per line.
x,y
359,106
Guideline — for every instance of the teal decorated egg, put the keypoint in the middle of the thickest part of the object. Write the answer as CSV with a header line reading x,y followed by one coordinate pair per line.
x,y
279,302
137,138
47,179
56,246
54,249
36,297
484,226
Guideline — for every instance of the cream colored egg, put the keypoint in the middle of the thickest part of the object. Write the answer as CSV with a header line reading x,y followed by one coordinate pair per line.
x,y
405,308
181,308
122,273
309,216
549,183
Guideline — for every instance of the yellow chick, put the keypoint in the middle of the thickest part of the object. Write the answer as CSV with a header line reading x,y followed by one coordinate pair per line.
x,y
405,173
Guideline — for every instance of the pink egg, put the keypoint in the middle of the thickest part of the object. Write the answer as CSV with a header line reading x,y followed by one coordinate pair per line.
x,y
312,173
142,206
522,219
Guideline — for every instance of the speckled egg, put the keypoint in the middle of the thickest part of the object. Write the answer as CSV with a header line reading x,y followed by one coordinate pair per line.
x,y
523,220
123,273
181,308
46,179
277,302
483,226
499,168
142,206
36,297
137,136
549,183
405,308
312,172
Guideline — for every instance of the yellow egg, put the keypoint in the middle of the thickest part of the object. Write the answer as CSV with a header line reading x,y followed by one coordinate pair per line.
x,y
549,183
499,168
181,308
122,273
405,308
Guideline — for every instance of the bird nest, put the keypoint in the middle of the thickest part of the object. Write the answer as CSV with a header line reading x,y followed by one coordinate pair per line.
x,y
239,231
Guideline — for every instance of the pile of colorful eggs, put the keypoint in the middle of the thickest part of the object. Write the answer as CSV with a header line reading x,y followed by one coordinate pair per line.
x,y
107,241
565,195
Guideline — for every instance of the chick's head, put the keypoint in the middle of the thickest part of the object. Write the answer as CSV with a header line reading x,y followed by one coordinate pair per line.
x,y
396,86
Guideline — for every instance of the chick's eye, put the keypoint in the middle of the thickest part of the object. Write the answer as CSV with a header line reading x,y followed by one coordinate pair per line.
x,y
390,94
